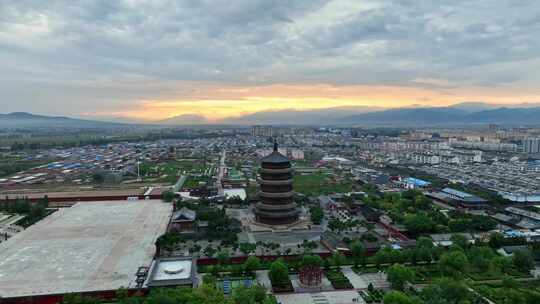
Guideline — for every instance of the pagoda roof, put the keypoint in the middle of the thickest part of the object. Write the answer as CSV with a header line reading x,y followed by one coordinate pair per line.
x,y
275,156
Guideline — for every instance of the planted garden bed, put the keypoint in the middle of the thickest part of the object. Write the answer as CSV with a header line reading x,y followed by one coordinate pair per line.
x,y
338,279
282,287
372,296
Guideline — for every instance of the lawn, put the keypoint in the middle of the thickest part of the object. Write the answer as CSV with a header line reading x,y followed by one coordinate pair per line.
x,y
193,181
169,172
319,183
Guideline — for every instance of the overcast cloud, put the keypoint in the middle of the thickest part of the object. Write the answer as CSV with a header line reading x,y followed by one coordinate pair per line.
x,y
81,57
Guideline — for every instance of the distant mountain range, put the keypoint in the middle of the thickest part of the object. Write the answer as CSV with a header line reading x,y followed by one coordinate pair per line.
x,y
459,114
25,120
446,116
462,114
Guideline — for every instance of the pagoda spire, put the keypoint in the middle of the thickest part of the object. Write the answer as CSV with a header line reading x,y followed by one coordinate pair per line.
x,y
275,145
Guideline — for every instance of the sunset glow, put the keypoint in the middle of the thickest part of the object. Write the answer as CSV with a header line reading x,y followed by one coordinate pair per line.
x,y
220,103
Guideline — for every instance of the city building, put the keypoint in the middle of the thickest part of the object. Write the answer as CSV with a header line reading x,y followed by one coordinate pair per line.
x,y
413,183
262,131
531,145
276,191
464,199
183,220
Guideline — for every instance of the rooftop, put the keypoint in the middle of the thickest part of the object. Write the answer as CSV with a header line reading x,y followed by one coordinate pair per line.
x,y
92,246
275,157
172,271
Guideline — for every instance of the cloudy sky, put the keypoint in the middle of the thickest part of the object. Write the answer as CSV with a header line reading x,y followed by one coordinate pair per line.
x,y
150,60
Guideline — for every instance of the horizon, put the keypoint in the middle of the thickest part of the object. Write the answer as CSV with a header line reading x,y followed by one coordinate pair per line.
x,y
214,63
188,119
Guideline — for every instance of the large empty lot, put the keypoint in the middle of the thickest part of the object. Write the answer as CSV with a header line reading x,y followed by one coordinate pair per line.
x,y
89,247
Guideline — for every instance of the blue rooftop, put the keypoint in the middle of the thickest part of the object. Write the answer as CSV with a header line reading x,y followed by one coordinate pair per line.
x,y
417,182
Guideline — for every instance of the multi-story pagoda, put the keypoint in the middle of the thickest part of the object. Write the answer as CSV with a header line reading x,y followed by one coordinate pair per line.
x,y
277,206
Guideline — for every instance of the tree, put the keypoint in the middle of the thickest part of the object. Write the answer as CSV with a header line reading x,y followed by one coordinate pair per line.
x,y
459,240
496,240
234,200
311,260
446,290
338,259
167,196
398,275
397,297
206,294
515,297
223,256
418,223
251,264
247,248
509,282
424,242
209,251
98,177
357,251
278,273
411,194
501,263
523,260
316,214
453,263
44,202
168,241
249,295
209,279
480,257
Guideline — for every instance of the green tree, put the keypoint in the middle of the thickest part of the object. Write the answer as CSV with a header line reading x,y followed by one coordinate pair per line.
x,y
358,251
446,291
338,259
98,177
252,264
311,260
418,223
480,257
209,280
223,256
523,260
247,248
168,241
398,275
509,282
501,263
453,263
459,240
316,214
278,272
397,297
249,295
496,240
167,196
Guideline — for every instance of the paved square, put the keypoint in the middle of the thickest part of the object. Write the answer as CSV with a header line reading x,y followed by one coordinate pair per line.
x,y
90,246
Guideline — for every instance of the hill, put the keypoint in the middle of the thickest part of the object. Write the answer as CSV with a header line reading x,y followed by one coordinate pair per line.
x,y
24,120
445,116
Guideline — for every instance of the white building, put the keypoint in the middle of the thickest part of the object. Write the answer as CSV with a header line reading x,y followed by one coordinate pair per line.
x,y
531,145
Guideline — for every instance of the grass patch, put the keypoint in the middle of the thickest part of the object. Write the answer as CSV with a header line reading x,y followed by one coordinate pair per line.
x,y
320,183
